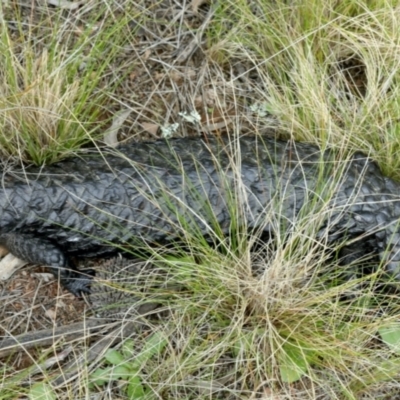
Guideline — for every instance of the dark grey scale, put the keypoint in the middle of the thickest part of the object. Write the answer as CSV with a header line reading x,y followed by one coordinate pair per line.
x,y
82,205
36,250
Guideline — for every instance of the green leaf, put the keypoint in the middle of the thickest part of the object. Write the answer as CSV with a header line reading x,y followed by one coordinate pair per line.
x,y
104,375
391,336
135,389
243,344
122,372
101,376
127,348
42,391
154,345
292,363
114,357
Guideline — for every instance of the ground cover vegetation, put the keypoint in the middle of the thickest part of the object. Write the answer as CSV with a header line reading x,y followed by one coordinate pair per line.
x,y
238,317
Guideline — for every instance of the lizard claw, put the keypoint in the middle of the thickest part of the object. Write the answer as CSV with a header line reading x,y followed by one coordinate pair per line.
x,y
78,283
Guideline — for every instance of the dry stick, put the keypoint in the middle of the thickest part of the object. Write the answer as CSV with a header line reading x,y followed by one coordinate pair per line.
x,y
97,350
47,337
196,41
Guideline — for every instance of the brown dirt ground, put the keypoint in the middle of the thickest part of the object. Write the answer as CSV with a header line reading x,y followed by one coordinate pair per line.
x,y
165,67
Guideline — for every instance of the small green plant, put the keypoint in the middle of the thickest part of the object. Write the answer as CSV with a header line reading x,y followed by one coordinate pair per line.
x,y
128,365
42,391
390,335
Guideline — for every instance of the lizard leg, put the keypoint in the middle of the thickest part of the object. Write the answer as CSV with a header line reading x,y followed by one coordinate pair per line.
x,y
40,251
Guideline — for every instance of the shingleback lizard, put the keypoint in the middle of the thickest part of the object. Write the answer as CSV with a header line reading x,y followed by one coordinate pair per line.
x,y
151,191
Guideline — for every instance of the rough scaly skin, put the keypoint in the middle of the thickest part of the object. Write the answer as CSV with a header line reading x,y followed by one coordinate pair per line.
x,y
150,190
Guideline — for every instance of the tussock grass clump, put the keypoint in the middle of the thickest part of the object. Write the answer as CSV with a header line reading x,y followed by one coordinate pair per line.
x,y
280,318
330,70
256,322
257,314
51,96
